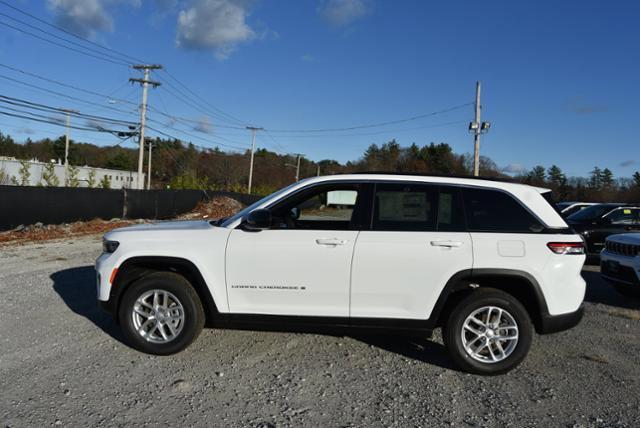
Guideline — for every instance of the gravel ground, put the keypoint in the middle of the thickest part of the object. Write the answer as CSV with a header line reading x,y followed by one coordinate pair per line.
x,y
62,362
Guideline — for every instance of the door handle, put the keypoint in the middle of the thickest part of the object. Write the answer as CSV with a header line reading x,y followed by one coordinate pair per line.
x,y
448,244
331,241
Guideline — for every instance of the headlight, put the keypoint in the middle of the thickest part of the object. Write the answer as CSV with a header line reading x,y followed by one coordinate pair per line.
x,y
110,246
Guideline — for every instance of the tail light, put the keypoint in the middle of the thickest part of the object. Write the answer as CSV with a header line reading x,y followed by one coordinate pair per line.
x,y
566,247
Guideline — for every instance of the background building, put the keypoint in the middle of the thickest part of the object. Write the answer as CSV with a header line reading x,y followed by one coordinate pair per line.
x,y
12,171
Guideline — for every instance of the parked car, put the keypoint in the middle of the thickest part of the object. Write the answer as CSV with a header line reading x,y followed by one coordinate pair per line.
x,y
568,208
620,264
396,253
597,222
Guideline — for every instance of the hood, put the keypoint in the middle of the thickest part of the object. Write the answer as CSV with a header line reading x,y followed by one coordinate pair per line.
x,y
625,238
160,230
168,226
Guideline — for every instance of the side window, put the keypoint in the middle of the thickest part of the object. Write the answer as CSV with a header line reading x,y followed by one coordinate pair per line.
x,y
495,211
623,216
326,208
450,210
405,207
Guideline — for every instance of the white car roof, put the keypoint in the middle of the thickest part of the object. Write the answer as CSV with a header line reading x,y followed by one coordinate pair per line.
x,y
530,196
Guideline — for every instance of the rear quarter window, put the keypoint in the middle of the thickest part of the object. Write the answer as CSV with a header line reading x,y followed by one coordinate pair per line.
x,y
496,211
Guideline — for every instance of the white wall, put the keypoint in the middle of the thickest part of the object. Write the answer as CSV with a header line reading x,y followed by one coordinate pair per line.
x,y
119,179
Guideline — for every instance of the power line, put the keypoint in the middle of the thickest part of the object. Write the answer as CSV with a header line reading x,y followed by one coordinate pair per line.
x,y
53,122
66,85
22,128
190,135
195,136
59,94
276,144
186,120
191,103
390,131
197,96
43,107
61,45
69,32
373,125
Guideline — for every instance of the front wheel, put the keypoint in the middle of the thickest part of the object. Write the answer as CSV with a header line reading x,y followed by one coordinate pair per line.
x,y
488,332
161,313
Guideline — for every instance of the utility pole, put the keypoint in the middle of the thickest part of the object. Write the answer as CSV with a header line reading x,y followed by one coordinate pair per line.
x,y
298,168
149,167
318,170
476,127
145,82
253,130
66,146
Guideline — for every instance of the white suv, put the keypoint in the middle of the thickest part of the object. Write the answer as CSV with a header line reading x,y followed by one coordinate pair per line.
x,y
486,260
620,263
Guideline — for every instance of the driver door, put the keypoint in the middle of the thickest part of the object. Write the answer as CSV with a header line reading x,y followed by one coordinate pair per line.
x,y
302,264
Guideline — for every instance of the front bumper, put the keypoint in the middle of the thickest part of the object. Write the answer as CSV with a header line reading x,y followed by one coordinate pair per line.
x,y
620,270
108,307
555,323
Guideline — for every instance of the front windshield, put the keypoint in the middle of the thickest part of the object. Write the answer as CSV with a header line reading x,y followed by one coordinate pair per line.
x,y
240,214
590,213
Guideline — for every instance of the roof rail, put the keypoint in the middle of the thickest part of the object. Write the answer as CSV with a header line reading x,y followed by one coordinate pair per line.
x,y
419,174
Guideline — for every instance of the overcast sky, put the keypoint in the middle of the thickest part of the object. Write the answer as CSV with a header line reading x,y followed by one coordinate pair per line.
x,y
560,79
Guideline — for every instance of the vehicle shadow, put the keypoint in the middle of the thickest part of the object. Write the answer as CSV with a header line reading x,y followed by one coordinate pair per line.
x,y
419,349
76,287
600,291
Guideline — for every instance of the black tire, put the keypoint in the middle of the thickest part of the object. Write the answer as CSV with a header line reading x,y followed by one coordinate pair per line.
x,y
177,285
452,331
627,290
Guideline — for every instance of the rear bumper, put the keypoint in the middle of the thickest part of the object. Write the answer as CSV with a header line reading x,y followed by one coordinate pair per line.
x,y
556,323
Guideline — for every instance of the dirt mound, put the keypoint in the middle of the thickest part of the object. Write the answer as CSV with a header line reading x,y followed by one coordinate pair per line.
x,y
41,232
218,207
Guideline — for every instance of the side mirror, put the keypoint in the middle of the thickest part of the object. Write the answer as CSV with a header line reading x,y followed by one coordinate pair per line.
x,y
295,213
258,220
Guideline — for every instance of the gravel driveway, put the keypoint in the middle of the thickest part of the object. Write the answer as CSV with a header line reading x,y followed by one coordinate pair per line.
x,y
62,362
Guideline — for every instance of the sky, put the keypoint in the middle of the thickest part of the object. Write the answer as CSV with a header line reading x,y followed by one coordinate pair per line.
x,y
560,80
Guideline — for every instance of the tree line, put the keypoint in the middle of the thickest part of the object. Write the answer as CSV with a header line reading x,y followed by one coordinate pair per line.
x,y
180,165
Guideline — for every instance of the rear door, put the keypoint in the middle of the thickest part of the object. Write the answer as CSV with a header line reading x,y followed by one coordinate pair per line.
x,y
417,242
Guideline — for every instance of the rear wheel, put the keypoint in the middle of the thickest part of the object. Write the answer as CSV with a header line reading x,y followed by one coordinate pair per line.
x,y
161,314
488,332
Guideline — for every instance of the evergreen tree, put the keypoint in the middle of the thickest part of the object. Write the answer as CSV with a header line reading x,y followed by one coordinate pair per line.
x,y
636,178
24,174
595,178
91,182
556,176
73,180
105,183
49,175
607,178
537,176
